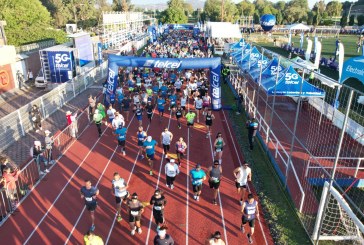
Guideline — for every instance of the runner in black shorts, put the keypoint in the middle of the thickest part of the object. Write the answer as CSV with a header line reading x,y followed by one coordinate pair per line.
x,y
90,193
149,109
209,118
135,210
179,114
214,174
159,202
250,212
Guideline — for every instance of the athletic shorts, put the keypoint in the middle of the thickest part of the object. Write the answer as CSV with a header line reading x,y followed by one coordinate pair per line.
x,y
140,143
204,105
196,188
150,157
179,153
119,199
209,123
161,109
121,142
178,90
91,207
133,218
150,115
111,119
184,108
214,185
221,149
190,123
178,116
173,105
158,216
198,109
126,108
139,118
238,185
193,91
245,220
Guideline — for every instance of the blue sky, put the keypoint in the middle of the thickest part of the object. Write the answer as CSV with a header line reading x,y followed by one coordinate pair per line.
x,y
310,2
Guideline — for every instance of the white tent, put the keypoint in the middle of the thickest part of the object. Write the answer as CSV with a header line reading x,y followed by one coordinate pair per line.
x,y
223,30
297,27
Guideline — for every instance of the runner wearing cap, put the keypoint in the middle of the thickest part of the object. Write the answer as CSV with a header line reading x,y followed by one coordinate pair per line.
x,y
126,106
197,176
162,238
111,113
219,146
90,193
181,147
121,194
166,138
135,210
159,202
118,120
216,239
214,174
91,239
242,175
141,136
121,136
250,212
171,170
149,146
172,101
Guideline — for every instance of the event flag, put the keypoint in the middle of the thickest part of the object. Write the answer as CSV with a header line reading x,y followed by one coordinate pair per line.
x,y
301,40
341,59
309,49
318,55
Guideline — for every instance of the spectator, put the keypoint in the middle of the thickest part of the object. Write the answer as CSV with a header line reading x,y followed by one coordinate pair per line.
x,y
48,146
36,118
30,76
252,126
3,161
10,179
37,154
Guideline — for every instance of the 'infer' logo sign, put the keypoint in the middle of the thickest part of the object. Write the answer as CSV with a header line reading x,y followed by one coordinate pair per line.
x,y
162,64
110,81
215,85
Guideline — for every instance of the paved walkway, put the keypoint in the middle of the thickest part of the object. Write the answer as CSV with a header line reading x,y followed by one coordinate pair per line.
x,y
19,152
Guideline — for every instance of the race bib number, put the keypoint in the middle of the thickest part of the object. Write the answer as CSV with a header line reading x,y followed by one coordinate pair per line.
x,y
88,199
197,182
171,173
158,208
218,150
251,211
214,179
134,213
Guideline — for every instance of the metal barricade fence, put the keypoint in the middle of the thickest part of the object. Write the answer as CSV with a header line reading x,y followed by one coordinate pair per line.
x,y
30,175
18,123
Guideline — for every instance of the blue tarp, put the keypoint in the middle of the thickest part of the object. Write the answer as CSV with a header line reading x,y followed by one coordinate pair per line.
x,y
239,44
238,54
255,67
252,57
290,85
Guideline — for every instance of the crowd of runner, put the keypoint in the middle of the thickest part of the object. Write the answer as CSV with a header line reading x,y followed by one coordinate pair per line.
x,y
143,92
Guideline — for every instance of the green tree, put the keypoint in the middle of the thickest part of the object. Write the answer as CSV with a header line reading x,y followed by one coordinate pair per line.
x,y
28,21
279,18
360,20
212,10
188,9
297,11
344,20
174,13
280,6
59,12
351,20
245,8
334,8
317,11
122,5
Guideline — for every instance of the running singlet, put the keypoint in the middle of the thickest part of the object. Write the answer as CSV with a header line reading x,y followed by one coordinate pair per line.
x,y
158,203
173,99
250,209
242,176
208,119
215,174
138,112
166,138
121,134
141,136
149,147
136,99
197,176
180,147
135,208
218,145
183,101
149,109
179,112
88,194
161,103
171,170
190,117
178,84
198,104
120,183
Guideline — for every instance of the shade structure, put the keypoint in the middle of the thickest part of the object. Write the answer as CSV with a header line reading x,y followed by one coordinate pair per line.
x,y
297,27
290,85
255,67
253,56
223,30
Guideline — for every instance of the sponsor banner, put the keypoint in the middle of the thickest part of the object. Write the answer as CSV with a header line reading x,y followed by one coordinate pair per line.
x,y
6,78
318,55
341,58
188,63
315,44
60,65
309,49
154,34
301,40
353,67
99,52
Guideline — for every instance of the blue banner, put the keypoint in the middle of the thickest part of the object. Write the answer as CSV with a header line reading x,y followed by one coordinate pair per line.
x,y
154,34
61,65
353,67
99,52
189,63
196,31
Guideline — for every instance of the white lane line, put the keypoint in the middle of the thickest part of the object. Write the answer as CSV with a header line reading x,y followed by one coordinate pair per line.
x,y
187,182
159,175
220,201
68,182
98,181
127,183
237,154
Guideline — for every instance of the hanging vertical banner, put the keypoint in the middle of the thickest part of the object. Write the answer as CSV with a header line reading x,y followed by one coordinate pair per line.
x,y
341,59
154,34
315,43
308,50
337,48
318,55
289,39
301,40
99,52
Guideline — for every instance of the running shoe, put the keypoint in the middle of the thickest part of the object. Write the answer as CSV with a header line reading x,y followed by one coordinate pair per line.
x,y
133,231
41,173
92,227
172,186
241,203
151,173
214,202
179,126
167,185
119,218
139,230
250,240
198,198
46,170
124,153
207,136
242,229
141,157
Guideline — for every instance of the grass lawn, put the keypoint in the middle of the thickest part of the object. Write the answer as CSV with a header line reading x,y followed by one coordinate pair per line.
x,y
279,211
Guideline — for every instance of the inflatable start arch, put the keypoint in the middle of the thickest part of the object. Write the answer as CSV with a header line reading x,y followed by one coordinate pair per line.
x,y
214,64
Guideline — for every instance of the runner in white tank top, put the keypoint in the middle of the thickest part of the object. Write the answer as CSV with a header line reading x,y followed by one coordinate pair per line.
x,y
198,107
242,176
121,194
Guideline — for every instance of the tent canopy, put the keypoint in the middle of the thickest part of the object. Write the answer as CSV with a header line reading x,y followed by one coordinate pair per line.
x,y
295,27
255,67
302,64
223,30
290,85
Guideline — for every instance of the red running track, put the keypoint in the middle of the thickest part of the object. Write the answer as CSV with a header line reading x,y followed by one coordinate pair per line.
x,y
54,213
